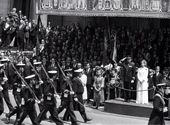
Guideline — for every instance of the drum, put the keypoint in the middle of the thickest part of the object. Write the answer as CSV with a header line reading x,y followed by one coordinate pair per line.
x,y
167,90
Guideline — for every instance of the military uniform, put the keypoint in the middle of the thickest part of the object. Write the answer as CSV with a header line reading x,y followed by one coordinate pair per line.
x,y
5,85
78,89
17,87
49,104
67,102
28,108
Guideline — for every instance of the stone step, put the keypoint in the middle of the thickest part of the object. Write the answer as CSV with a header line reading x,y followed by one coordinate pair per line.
x,y
118,106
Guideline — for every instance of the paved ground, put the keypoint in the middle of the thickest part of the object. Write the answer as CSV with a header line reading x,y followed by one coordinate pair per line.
x,y
99,118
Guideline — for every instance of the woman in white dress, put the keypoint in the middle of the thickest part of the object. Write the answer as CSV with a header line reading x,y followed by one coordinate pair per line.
x,y
142,83
84,82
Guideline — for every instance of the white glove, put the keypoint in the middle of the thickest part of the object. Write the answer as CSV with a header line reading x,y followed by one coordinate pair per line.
x,y
165,109
71,93
41,82
56,95
132,81
75,99
1,88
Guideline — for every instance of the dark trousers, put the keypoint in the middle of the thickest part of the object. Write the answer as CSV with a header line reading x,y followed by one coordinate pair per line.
x,y
69,110
88,92
20,43
80,107
6,98
54,114
1,104
127,94
17,109
32,114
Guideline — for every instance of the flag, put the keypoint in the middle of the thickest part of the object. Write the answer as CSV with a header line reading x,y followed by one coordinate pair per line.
x,y
114,56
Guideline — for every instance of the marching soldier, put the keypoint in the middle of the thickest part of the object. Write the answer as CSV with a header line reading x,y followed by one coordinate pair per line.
x,y
17,87
28,103
67,98
1,88
38,84
49,100
4,84
78,88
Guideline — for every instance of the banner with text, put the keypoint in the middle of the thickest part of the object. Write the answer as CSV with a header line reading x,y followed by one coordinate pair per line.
x,y
109,8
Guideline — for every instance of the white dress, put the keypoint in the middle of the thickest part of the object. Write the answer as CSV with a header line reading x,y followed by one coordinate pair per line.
x,y
84,81
142,84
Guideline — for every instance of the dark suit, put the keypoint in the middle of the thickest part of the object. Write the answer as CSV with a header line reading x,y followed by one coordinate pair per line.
x,y
128,74
20,37
157,79
89,84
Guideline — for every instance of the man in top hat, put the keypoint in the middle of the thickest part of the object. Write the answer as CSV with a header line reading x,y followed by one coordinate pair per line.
x,y
67,98
78,89
28,101
128,76
157,115
50,100
4,84
17,87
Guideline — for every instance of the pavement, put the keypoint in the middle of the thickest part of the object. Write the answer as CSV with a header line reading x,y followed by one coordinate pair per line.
x,y
99,117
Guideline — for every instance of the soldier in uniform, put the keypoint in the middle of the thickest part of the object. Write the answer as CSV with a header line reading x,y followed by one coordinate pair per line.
x,y
1,95
17,87
67,98
50,100
78,89
28,103
4,84
38,84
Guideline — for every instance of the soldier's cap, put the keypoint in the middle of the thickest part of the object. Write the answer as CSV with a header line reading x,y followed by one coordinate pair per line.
x,y
128,57
68,70
37,63
161,84
78,70
20,65
1,65
52,72
4,60
30,76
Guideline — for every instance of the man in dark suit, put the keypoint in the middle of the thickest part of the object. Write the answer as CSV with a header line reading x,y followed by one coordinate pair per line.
x,y
20,35
89,73
157,77
128,76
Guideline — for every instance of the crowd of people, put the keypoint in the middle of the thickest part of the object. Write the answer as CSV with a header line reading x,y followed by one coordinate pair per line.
x,y
142,63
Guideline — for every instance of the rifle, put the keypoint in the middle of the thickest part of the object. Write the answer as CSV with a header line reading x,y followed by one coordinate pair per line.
x,y
33,69
65,77
51,82
26,84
